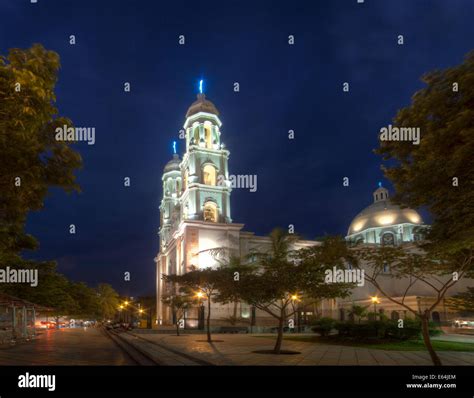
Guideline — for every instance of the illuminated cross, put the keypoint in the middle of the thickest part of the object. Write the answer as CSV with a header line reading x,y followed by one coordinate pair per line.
x,y
174,147
380,184
200,86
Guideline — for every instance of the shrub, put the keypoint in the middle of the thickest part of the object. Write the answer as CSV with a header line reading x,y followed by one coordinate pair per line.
x,y
323,326
384,329
371,329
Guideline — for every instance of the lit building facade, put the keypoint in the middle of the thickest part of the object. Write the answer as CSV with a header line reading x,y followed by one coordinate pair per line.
x,y
195,215
384,223
195,218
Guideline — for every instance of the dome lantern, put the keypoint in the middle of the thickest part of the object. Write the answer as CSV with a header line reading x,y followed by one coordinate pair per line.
x,y
380,194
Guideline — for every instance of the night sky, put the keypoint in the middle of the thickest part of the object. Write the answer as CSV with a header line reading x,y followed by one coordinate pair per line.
x,y
282,87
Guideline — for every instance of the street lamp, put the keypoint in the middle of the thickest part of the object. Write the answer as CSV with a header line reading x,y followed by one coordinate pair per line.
x,y
375,300
296,299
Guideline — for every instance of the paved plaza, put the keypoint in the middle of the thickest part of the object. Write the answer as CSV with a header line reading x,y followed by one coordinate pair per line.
x,y
89,346
236,349
78,346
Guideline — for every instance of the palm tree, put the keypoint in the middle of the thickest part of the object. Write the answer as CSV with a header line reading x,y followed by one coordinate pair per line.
x,y
359,311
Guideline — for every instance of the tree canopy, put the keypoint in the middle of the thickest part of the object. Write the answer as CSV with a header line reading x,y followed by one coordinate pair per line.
x,y
439,172
32,160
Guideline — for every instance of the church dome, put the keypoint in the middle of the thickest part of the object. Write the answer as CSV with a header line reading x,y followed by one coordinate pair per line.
x,y
173,164
382,213
202,105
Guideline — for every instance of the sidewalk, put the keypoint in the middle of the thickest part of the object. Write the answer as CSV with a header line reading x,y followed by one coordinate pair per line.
x,y
237,350
79,346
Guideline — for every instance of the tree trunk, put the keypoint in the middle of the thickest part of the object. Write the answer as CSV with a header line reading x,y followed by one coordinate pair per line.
x,y
177,328
427,340
208,321
279,340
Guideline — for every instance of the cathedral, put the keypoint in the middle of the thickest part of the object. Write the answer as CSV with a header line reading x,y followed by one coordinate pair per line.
x,y
195,214
195,218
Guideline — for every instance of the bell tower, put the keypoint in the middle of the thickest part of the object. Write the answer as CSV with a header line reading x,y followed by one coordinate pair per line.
x,y
170,209
205,176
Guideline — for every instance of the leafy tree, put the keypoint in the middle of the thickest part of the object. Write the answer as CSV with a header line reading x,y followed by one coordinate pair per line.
x,y
281,276
463,301
199,282
32,160
436,272
86,298
437,174
178,303
231,271
53,289
108,300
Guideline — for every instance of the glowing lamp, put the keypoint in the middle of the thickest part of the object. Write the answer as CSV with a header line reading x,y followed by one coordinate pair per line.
x,y
384,220
357,227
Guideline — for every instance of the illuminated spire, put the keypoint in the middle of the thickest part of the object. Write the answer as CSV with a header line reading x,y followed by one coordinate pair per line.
x,y
174,147
201,82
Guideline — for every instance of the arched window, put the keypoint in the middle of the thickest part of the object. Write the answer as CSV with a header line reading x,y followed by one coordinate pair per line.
x,y
210,212
395,316
388,239
196,135
209,174
208,136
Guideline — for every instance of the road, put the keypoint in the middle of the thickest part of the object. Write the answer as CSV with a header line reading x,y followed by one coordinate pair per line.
x,y
78,346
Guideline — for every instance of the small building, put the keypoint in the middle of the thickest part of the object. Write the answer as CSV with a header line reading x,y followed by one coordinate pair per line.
x,y
17,318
